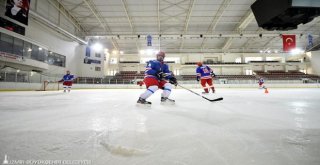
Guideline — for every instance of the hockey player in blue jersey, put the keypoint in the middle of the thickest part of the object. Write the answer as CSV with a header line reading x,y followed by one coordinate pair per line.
x,y
261,82
67,81
156,74
205,74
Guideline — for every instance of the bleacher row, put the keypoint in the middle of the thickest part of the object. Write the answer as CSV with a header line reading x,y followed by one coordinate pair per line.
x,y
129,75
282,75
214,62
235,63
270,75
229,77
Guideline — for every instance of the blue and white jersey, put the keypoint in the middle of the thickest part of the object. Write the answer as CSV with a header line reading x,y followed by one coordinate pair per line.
x,y
68,77
154,67
261,80
204,72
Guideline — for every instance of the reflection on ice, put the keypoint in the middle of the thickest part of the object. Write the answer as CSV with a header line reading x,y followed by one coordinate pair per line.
x,y
247,127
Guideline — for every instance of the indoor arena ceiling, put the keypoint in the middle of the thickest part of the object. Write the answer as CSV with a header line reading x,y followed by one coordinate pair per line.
x,y
179,26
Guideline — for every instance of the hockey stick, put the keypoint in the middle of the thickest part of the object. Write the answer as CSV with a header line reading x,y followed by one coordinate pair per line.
x,y
211,100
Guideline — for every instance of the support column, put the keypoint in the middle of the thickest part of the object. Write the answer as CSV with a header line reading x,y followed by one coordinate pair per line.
x,y
242,59
264,57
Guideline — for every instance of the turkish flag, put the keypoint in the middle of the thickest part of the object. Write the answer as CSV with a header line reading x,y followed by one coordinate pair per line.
x,y
289,42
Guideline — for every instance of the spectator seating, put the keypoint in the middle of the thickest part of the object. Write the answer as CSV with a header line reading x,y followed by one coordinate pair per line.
x,y
282,75
129,75
229,77
214,63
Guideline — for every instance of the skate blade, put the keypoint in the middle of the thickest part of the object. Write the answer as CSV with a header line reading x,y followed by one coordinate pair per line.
x,y
143,105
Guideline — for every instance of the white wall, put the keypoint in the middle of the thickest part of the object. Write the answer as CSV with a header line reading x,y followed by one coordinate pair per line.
x,y
47,10
88,70
217,70
129,67
36,86
129,58
292,67
189,70
257,67
231,71
315,63
46,37
214,57
276,66
55,42
194,57
230,57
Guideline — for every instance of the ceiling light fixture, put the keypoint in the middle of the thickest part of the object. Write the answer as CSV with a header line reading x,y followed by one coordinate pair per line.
x,y
97,47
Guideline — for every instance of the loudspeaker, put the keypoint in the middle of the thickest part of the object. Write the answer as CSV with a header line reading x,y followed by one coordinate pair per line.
x,y
284,14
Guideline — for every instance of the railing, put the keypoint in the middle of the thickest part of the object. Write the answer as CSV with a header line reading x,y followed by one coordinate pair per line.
x,y
27,76
215,63
264,61
34,77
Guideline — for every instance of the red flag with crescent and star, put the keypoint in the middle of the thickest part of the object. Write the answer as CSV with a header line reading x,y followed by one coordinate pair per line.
x,y
289,42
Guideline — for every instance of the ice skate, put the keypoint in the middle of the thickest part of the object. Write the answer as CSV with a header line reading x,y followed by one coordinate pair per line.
x,y
205,93
166,100
142,101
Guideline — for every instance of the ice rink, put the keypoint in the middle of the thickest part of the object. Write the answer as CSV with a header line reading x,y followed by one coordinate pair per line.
x,y
106,127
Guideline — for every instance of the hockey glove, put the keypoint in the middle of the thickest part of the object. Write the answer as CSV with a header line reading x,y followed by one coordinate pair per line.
x,y
173,81
198,78
160,75
212,74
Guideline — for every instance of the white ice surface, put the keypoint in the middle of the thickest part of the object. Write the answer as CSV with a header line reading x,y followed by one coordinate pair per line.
x,y
107,128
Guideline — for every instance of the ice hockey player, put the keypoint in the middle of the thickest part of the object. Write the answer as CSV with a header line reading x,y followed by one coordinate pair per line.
x,y
67,81
156,74
261,82
205,74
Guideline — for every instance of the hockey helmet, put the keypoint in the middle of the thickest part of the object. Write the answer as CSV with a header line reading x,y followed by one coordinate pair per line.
x,y
160,56
199,63
161,53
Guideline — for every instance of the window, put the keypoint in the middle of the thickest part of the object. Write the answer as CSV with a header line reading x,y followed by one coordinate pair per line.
x,y
112,72
27,48
97,68
34,52
174,59
176,72
98,55
6,43
145,60
63,60
56,59
303,71
248,72
88,50
18,46
23,48
238,60
43,55
113,61
248,59
273,59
